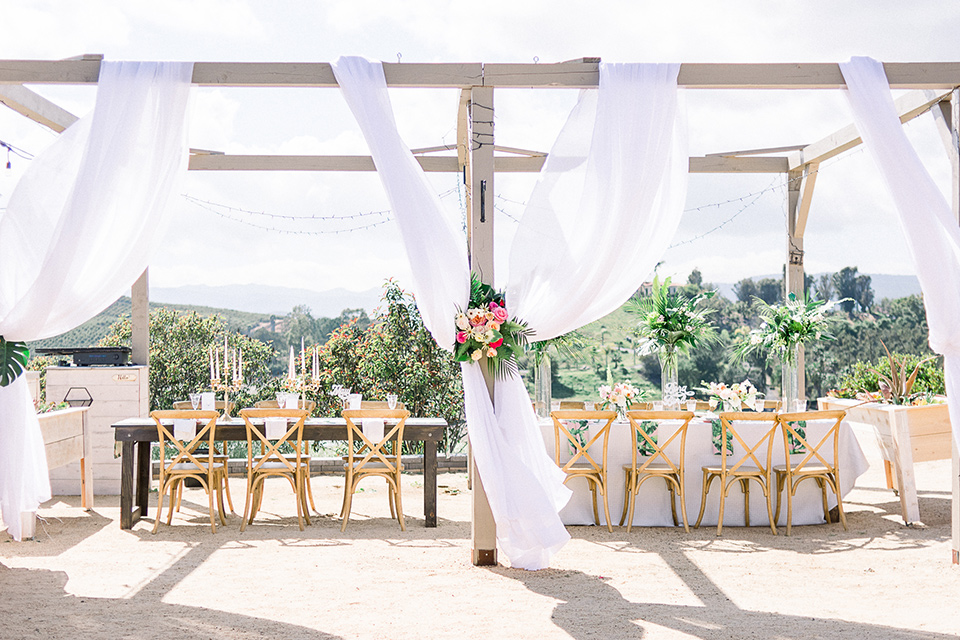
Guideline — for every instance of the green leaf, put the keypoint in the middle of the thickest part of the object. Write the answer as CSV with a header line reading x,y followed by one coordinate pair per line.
x,y
13,360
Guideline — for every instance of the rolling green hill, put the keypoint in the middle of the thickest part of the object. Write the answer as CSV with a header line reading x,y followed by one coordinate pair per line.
x,y
91,332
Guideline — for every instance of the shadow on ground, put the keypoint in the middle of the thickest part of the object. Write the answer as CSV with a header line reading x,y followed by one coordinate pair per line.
x,y
36,605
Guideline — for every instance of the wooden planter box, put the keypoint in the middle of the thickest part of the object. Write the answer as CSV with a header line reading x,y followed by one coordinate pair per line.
x,y
905,435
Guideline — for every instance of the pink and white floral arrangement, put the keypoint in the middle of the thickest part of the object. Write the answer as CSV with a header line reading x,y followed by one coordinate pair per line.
x,y
486,329
733,396
620,396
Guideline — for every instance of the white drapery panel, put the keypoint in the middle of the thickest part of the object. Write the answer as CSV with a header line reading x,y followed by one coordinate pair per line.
x,y
433,241
79,229
607,203
524,486
931,232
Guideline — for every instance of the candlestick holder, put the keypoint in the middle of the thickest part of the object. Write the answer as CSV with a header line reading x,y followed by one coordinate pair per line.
x,y
227,388
301,384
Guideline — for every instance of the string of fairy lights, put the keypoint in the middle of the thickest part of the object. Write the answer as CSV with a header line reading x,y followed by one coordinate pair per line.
x,y
287,224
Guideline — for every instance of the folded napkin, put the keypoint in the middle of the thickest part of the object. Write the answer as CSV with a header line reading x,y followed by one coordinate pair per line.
x,y
208,401
275,428
184,429
373,429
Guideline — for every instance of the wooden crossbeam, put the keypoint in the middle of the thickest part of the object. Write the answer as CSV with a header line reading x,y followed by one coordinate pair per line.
x,y
902,75
908,107
448,164
36,107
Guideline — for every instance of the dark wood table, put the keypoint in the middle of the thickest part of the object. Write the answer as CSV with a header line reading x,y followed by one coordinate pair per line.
x,y
136,435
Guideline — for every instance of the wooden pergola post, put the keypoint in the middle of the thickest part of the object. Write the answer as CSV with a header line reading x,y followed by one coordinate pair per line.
x,y
800,183
479,157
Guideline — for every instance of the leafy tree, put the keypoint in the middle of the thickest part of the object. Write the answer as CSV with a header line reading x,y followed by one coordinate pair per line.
x,y
770,290
180,359
695,277
855,287
746,290
824,287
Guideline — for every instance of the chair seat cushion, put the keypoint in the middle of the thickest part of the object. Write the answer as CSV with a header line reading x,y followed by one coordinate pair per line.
x,y
273,466
658,467
582,466
189,466
742,470
808,469
369,465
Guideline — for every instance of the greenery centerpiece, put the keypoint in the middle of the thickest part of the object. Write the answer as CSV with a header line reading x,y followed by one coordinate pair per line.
x,y
670,324
485,329
784,328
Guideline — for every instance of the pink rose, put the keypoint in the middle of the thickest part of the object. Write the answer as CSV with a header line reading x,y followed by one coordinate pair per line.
x,y
492,353
500,315
461,336
496,344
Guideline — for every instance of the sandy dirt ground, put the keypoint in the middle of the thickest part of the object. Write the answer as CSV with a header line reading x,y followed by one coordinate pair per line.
x,y
85,578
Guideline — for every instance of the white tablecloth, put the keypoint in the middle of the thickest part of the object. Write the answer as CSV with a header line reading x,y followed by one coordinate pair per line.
x,y
653,501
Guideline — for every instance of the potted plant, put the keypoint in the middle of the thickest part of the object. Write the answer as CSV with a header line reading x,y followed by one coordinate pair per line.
x,y
670,324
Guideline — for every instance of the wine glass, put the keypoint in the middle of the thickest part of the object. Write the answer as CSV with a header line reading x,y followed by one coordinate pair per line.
x,y
195,400
392,401
281,399
344,394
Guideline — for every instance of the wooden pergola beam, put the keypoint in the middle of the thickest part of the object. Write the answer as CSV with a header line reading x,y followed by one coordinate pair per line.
x,y
908,107
577,75
449,164
36,107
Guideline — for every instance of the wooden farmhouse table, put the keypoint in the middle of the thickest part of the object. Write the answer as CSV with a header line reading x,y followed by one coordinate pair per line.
x,y
136,435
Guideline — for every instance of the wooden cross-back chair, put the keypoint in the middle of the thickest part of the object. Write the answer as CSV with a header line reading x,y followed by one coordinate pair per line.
x,y
219,453
186,462
752,466
813,464
274,463
658,463
309,406
581,464
366,458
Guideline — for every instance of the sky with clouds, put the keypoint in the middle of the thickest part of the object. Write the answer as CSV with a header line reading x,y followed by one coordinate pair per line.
x,y
734,225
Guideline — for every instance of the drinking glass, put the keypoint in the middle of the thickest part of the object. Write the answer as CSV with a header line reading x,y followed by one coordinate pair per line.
x,y
658,405
392,401
758,404
691,405
195,400
588,406
281,399
344,394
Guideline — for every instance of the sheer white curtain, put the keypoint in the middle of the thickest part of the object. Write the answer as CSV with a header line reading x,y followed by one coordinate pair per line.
x,y
80,227
616,158
931,232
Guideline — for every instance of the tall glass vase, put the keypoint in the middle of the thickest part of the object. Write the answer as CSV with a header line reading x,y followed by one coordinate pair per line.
x,y
541,387
790,382
668,377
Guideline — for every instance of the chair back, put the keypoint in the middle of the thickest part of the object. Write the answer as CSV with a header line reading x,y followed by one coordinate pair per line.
x,y
733,430
308,405
359,444
645,436
381,404
257,432
797,440
185,452
571,405
183,405
580,446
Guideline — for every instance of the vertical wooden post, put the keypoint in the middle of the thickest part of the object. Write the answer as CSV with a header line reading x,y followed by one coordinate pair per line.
x,y
951,112
140,320
793,277
480,197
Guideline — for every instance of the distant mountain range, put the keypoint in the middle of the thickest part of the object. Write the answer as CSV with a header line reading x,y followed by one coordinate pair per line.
x,y
277,301
884,286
